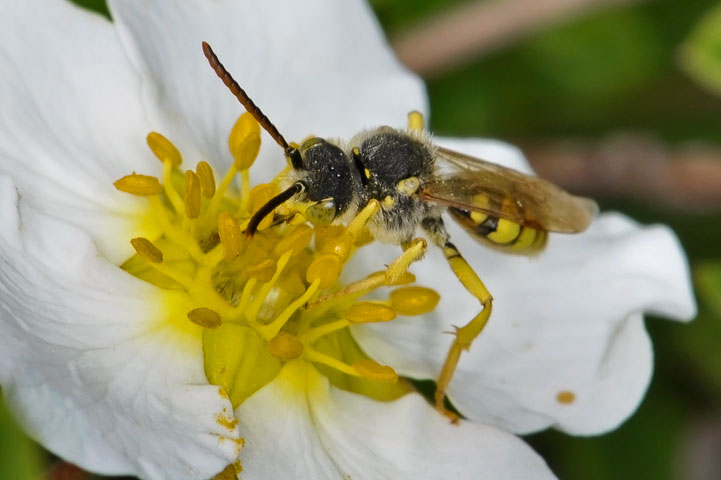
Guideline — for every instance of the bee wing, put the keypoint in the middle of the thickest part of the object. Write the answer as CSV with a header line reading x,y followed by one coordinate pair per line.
x,y
476,185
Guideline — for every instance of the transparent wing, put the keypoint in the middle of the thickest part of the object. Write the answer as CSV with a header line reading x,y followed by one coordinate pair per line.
x,y
476,185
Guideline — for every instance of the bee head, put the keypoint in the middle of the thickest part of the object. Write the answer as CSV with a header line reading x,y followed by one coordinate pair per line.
x,y
324,169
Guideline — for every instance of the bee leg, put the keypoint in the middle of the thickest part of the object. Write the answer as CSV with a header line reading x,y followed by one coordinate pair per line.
x,y
467,333
412,250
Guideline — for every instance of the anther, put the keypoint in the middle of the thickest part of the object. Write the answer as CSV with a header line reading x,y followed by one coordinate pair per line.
x,y
205,317
164,149
147,250
326,267
140,185
414,300
207,179
192,194
285,347
368,312
369,369
334,240
244,141
230,236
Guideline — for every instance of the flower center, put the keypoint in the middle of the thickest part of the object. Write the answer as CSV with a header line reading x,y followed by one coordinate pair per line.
x,y
261,301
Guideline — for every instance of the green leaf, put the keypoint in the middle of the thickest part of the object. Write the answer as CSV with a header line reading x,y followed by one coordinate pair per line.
x,y
701,52
20,457
708,284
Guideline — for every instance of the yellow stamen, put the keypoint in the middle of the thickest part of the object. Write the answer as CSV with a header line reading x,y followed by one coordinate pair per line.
x,y
296,241
140,185
230,235
245,296
164,149
285,347
360,220
244,141
414,300
334,239
192,194
251,313
147,250
262,271
272,329
325,269
207,179
315,333
368,312
313,355
205,317
369,369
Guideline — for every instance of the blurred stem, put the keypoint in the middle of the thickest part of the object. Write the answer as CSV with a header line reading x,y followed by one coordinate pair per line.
x,y
634,166
479,27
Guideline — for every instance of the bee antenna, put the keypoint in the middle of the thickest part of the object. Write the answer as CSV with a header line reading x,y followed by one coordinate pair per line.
x,y
271,205
243,97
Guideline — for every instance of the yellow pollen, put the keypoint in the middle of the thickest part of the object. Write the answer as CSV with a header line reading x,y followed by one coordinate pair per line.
x,y
244,141
414,300
207,179
223,421
368,312
192,194
369,369
326,267
566,397
147,250
228,473
164,149
285,347
205,317
230,236
140,185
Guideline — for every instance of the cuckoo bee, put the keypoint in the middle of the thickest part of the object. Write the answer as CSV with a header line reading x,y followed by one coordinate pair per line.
x,y
406,181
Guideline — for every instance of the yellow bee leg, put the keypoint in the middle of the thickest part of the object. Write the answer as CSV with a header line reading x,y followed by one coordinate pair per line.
x,y
414,250
359,221
466,334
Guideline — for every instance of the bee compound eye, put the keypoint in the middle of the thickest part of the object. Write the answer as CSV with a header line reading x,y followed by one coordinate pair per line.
x,y
321,213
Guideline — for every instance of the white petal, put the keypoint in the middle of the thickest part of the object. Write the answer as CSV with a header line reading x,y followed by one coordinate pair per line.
x,y
325,433
72,122
86,365
568,320
308,67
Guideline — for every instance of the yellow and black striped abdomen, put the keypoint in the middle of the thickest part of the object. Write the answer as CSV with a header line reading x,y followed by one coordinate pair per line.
x,y
499,233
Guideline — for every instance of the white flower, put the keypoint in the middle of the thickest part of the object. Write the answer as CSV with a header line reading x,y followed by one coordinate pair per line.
x,y
100,371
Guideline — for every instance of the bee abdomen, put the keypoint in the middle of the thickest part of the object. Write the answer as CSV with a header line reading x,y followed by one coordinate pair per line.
x,y
501,233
